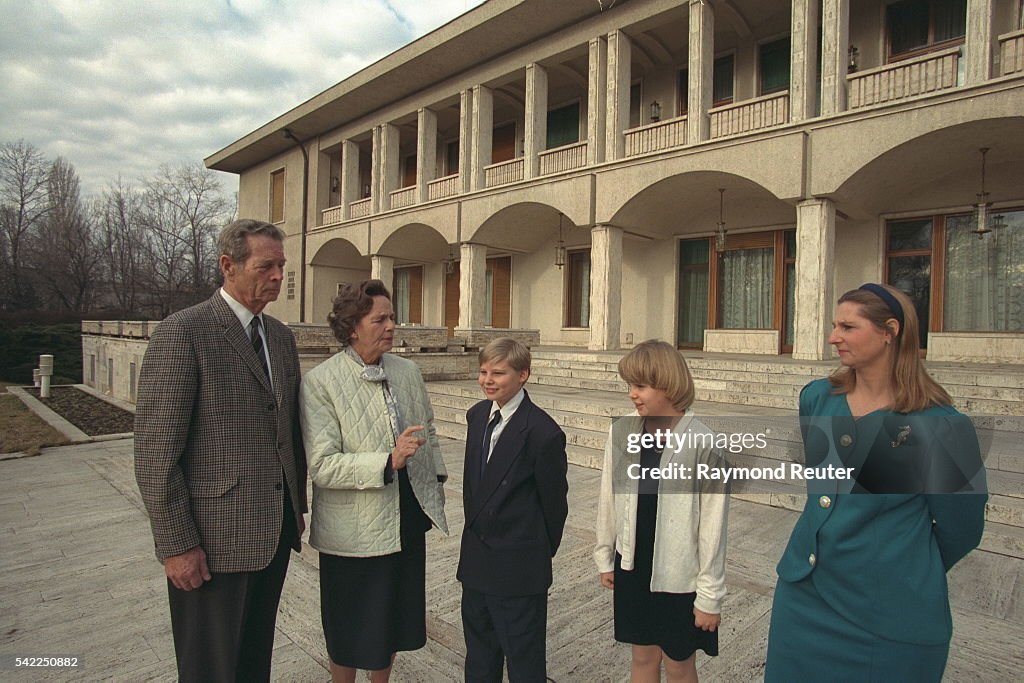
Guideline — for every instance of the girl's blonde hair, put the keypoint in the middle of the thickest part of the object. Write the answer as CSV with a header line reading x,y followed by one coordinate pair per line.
x,y
657,364
912,387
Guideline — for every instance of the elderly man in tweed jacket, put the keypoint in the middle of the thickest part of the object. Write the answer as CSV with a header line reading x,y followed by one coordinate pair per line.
x,y
219,461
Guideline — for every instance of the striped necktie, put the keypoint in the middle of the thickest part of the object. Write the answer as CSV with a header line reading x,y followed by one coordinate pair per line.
x,y
257,343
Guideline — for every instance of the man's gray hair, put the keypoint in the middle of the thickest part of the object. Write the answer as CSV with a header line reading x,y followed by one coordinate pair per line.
x,y
233,241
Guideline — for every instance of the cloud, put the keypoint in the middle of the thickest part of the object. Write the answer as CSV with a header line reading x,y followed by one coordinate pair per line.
x,y
120,88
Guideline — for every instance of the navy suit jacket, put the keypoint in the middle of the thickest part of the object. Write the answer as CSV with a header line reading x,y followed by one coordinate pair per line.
x,y
514,514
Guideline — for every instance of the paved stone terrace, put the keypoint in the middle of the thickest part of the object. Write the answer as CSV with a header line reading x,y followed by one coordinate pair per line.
x,y
77,576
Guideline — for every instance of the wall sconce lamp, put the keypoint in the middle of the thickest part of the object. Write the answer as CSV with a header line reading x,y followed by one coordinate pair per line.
x,y
983,208
655,111
560,245
720,232
851,63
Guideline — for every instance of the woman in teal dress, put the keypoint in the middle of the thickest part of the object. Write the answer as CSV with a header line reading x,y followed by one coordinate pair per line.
x,y
862,592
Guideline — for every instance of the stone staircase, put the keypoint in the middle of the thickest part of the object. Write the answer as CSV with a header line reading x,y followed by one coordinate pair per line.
x,y
583,392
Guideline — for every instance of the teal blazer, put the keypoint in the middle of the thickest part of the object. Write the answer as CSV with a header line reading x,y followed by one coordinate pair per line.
x,y
878,547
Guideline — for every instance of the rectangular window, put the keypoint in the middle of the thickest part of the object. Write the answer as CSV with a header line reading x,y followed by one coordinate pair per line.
x,y
916,26
409,171
693,291
110,375
277,196
499,291
92,370
291,284
503,143
721,90
131,380
908,263
746,282
563,125
451,158
577,312
773,66
408,295
635,103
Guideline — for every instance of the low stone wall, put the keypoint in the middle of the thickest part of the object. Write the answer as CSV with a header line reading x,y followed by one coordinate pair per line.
x,y
477,338
976,347
742,341
110,364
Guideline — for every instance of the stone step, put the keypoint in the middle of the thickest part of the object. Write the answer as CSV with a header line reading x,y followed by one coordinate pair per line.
x,y
1003,539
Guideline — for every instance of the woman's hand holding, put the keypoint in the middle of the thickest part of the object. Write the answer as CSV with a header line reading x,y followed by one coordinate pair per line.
x,y
406,446
705,621
608,580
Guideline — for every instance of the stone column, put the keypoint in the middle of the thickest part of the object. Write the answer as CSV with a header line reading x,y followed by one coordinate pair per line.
x,y
483,134
375,172
597,89
536,119
803,60
349,176
835,46
472,286
700,72
426,151
465,139
815,259
618,85
605,287
978,42
383,268
389,163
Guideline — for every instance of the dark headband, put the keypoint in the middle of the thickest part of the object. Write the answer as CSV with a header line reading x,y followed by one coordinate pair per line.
x,y
890,301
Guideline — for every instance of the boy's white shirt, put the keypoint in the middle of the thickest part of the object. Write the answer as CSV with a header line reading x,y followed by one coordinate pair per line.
x,y
507,411
689,535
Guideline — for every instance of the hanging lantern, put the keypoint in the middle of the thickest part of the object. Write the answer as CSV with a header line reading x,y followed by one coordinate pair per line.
x,y
982,208
560,245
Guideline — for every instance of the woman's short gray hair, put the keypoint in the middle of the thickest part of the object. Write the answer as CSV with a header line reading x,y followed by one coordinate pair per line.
x,y
233,239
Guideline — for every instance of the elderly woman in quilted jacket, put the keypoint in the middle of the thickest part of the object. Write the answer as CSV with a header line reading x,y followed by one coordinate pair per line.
x,y
377,475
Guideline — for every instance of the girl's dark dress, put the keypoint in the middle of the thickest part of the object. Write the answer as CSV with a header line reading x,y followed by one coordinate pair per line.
x,y
646,618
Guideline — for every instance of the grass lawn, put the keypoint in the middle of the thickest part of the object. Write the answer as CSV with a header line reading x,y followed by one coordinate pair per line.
x,y
22,431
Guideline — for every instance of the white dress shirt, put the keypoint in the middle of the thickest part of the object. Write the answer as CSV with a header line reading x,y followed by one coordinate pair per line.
x,y
507,412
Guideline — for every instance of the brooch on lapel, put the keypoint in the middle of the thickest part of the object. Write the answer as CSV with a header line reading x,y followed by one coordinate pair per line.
x,y
901,436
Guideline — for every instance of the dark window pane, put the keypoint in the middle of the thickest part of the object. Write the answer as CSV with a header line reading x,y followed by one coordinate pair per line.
x,y
723,77
774,61
578,314
913,275
683,87
790,238
693,252
950,17
635,93
913,234
790,303
563,126
908,25
452,163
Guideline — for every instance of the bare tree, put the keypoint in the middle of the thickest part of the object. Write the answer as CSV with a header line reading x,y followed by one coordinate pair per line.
x,y
118,218
66,256
23,205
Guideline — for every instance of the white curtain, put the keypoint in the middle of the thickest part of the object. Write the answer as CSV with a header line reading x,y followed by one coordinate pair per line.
x,y
401,297
747,287
984,278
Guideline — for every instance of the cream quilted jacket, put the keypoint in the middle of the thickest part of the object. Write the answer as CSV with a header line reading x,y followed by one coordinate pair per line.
x,y
348,438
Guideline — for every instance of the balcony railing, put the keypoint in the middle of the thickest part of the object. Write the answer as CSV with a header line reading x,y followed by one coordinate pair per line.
x,y
361,208
404,197
563,158
656,136
747,116
1011,50
503,173
333,214
443,187
916,76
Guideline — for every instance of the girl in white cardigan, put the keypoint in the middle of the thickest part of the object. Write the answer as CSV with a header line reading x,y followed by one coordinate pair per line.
x,y
661,541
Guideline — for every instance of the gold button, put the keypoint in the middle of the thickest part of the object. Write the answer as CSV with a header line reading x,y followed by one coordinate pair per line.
x,y
825,502
811,560
845,440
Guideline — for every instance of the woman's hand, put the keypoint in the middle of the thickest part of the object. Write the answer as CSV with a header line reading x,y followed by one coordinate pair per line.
x,y
608,580
406,446
705,621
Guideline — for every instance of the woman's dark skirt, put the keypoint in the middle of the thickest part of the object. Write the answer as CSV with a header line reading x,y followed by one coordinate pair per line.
x,y
809,641
373,607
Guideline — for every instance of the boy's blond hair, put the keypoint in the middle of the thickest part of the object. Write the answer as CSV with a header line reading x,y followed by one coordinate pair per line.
x,y
507,349
658,364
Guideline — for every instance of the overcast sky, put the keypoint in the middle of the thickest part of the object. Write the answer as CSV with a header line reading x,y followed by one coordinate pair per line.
x,y
119,87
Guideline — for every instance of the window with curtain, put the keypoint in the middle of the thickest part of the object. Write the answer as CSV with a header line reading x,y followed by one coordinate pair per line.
x,y
909,266
916,25
563,126
277,196
773,65
693,291
489,298
401,296
746,282
721,90
578,279
984,278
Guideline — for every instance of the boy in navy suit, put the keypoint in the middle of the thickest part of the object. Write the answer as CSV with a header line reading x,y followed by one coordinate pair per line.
x,y
514,495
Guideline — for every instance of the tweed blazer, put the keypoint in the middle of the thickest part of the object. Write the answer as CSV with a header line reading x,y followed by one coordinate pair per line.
x,y
216,447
